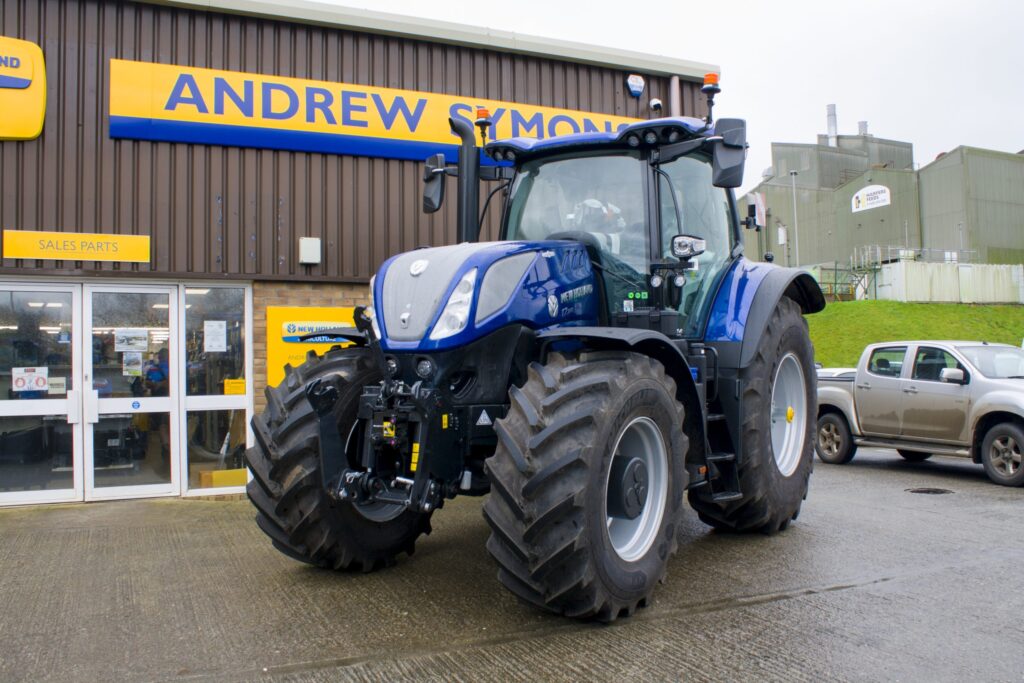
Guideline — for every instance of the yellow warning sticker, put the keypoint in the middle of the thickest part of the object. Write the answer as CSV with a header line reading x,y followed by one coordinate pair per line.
x,y
389,428
415,457
444,421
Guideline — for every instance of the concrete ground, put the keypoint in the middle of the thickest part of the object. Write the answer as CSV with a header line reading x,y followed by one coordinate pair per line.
x,y
872,583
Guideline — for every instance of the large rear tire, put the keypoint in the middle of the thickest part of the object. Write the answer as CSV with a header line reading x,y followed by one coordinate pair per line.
x,y
779,401
293,508
587,483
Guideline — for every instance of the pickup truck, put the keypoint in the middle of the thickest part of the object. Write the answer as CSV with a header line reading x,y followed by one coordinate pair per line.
x,y
921,398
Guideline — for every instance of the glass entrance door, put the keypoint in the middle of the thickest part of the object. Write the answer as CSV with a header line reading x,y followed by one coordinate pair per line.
x,y
40,394
131,415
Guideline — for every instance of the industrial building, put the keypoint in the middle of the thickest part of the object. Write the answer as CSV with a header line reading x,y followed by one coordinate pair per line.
x,y
860,200
189,186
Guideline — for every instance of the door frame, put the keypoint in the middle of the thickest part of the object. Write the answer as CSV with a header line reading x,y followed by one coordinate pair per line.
x,y
94,408
70,405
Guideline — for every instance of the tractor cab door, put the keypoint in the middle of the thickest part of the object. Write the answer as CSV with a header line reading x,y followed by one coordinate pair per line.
x,y
598,200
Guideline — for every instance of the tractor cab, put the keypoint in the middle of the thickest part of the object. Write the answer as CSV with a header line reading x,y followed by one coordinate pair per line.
x,y
629,197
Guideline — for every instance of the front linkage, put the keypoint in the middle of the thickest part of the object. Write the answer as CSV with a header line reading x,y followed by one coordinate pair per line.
x,y
387,460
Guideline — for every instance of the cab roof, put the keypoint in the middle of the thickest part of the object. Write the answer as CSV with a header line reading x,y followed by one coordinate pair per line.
x,y
665,131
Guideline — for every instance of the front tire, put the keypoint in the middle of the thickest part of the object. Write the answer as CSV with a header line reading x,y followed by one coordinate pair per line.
x,y
293,508
778,401
587,483
834,444
1001,454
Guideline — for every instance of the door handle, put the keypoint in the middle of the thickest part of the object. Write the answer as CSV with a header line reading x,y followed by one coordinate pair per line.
x,y
92,406
864,386
909,390
74,407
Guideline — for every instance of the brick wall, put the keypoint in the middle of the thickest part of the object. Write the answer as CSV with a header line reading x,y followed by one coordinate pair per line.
x,y
288,294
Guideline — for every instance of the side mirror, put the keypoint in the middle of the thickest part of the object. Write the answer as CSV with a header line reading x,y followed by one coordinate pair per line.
x,y
730,153
685,247
433,183
951,375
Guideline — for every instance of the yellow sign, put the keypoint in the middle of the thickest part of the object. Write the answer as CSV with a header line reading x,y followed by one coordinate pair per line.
x,y
207,106
74,246
234,387
22,89
286,325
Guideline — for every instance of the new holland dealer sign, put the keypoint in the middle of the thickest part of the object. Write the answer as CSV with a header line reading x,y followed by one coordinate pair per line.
x,y
207,106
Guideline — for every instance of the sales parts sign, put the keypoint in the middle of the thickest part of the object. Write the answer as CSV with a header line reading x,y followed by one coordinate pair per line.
x,y
871,197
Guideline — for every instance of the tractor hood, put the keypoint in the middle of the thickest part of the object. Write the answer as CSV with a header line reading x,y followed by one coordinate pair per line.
x,y
443,297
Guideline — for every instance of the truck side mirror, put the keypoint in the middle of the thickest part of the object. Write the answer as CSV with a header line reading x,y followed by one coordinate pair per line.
x,y
729,153
952,375
433,183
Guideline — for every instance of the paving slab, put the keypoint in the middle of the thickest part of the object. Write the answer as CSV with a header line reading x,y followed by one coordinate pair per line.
x,y
871,583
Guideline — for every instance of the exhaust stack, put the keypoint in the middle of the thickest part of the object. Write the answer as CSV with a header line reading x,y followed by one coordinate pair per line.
x,y
833,134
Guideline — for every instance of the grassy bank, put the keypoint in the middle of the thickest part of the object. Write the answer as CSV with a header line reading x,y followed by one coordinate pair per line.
x,y
843,329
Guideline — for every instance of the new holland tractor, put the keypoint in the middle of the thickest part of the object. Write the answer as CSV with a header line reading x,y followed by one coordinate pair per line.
x,y
612,354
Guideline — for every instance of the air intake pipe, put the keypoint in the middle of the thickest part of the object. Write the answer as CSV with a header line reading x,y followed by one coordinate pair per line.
x,y
467,218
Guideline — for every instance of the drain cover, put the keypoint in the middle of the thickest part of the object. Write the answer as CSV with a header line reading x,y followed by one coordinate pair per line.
x,y
929,491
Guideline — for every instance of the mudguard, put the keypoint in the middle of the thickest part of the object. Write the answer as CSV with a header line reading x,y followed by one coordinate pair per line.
x,y
648,342
744,303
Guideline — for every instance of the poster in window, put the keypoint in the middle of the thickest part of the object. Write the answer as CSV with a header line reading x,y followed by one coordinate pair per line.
x,y
215,336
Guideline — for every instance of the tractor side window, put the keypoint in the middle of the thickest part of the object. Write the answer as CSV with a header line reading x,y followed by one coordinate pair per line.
x,y
690,205
598,200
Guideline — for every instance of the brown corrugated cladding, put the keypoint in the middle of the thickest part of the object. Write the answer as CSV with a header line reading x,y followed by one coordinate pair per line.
x,y
237,213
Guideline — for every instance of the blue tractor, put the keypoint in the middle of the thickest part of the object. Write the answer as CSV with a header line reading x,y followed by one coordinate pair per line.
x,y
611,354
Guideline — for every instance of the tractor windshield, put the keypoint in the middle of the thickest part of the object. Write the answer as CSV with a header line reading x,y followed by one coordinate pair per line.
x,y
597,200
704,212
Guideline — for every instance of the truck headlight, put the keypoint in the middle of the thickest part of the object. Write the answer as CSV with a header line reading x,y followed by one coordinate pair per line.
x,y
455,315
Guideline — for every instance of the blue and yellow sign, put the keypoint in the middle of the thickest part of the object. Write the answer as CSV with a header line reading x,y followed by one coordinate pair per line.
x,y
22,89
207,106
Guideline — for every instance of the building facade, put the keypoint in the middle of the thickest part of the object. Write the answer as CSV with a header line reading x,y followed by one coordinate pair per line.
x,y
203,169
858,201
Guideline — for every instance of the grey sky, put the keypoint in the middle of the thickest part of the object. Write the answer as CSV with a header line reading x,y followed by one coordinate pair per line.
x,y
937,74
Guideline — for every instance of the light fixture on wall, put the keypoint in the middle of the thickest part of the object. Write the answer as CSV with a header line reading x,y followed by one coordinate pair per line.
x,y
309,251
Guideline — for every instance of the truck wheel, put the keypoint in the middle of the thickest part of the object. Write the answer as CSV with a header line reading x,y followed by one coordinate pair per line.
x,y
1001,454
587,484
778,402
913,456
834,444
293,508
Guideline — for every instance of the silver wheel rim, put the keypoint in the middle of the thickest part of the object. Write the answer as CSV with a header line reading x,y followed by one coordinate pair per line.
x,y
1005,455
632,538
829,440
376,511
788,414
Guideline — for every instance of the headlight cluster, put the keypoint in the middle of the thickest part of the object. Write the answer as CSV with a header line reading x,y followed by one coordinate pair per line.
x,y
455,315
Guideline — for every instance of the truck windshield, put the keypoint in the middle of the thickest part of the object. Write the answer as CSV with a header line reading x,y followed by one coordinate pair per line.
x,y
996,362
598,200
704,210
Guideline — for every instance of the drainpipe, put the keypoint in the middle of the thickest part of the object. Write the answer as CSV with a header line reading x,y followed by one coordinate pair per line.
x,y
674,97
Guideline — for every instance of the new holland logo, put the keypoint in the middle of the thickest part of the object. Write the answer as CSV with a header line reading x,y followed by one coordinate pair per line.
x,y
22,89
552,305
293,332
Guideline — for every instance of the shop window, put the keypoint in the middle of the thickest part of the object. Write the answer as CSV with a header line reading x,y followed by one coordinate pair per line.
x,y
216,444
35,453
215,341
35,345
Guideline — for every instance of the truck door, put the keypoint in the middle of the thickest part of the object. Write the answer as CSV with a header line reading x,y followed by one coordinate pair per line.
x,y
934,410
878,393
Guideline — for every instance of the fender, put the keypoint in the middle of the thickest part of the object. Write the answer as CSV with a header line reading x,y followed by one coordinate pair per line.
x,y
657,346
745,301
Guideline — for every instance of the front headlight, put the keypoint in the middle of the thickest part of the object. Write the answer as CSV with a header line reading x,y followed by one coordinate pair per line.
x,y
455,315
371,310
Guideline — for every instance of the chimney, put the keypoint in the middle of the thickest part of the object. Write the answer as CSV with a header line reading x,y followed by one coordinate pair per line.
x,y
862,128
833,135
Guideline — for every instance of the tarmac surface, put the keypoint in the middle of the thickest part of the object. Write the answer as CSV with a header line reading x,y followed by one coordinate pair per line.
x,y
871,583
